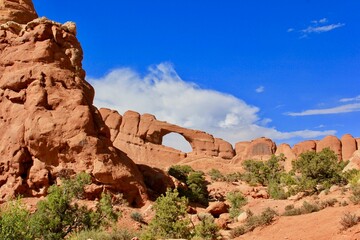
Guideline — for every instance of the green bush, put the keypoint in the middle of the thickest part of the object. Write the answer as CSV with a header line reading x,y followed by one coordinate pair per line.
x,y
207,229
237,200
259,172
197,187
136,216
320,168
195,181
254,221
180,172
170,218
306,208
216,175
14,220
58,215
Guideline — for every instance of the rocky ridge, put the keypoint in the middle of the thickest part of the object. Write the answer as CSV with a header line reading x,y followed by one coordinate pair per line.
x,y
140,137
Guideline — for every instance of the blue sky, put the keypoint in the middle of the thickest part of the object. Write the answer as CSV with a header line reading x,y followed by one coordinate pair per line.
x,y
288,70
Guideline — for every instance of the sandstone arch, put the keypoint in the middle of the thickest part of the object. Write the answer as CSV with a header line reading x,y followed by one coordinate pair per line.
x,y
140,136
176,141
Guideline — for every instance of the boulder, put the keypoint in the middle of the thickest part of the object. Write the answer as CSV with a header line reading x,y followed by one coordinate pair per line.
x,y
217,208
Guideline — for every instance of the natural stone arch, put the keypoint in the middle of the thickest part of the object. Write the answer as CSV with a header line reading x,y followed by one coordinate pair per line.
x,y
176,141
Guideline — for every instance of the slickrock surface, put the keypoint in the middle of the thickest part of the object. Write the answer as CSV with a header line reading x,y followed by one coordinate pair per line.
x,y
49,126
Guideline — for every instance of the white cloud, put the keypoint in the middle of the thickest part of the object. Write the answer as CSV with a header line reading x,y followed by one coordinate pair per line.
x,y
260,89
357,98
317,26
322,29
163,93
347,108
290,30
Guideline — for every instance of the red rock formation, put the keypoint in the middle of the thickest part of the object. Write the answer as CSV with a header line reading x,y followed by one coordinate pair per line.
x,y
288,153
140,137
48,123
299,148
19,11
349,146
331,142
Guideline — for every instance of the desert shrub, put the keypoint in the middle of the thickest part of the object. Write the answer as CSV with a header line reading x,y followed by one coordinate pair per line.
x,y
259,172
170,218
270,173
328,203
355,196
276,191
306,208
237,232
352,176
136,216
14,220
115,234
310,207
180,172
254,221
206,229
348,220
320,168
197,186
237,200
216,175
233,177
58,215
195,181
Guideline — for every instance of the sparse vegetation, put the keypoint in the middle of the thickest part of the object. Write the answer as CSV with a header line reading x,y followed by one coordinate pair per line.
x,y
254,221
206,229
237,201
57,216
196,190
319,170
349,220
216,175
170,218
14,220
136,216
307,207
115,234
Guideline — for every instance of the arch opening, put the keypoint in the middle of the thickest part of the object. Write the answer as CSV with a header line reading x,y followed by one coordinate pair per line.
x,y
176,141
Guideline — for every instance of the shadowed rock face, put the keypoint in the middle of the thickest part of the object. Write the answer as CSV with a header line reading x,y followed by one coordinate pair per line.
x,y
49,126
19,11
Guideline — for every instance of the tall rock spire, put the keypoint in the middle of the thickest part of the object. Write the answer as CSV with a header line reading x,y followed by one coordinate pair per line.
x,y
20,11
